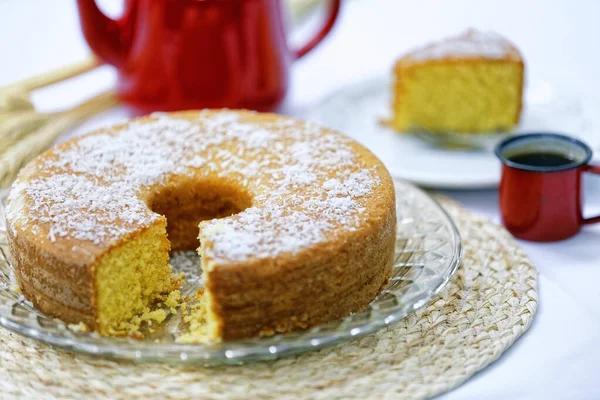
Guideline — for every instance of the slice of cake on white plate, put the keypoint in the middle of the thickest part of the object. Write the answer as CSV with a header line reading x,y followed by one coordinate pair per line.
x,y
471,83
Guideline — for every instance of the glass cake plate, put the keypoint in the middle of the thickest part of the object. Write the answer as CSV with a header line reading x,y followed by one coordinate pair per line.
x,y
428,252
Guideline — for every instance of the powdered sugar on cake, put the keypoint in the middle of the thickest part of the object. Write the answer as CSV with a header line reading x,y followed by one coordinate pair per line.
x,y
472,44
305,183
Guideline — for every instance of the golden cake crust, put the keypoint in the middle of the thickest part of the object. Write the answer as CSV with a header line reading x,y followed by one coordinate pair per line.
x,y
305,233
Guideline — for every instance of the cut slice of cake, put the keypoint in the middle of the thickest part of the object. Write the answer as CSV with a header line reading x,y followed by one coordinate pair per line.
x,y
472,83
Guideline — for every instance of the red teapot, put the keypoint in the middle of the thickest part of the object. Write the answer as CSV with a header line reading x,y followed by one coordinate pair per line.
x,y
193,54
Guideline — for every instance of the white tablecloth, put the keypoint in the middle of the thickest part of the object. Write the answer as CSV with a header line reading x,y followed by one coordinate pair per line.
x,y
559,356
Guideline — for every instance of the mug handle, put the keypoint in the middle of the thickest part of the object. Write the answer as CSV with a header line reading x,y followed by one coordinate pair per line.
x,y
332,14
594,169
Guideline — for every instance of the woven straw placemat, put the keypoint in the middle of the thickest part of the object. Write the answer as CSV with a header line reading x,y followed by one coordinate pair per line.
x,y
490,303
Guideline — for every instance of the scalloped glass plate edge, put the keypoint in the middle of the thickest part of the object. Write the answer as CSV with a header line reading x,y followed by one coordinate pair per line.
x,y
428,253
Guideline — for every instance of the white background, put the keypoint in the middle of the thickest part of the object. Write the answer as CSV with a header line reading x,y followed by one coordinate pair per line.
x,y
560,355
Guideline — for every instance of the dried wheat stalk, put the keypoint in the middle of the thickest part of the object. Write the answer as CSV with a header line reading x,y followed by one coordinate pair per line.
x,y
28,144
25,133
14,126
54,76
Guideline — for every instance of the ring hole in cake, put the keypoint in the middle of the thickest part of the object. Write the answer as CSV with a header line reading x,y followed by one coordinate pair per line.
x,y
187,202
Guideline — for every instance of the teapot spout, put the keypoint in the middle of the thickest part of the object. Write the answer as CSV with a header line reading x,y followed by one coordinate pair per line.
x,y
108,38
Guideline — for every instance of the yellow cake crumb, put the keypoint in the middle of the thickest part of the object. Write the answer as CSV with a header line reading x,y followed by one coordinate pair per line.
x,y
156,315
80,327
173,300
176,280
184,306
197,316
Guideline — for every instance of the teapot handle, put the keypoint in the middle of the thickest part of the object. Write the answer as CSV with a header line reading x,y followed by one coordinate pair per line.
x,y
333,12
108,38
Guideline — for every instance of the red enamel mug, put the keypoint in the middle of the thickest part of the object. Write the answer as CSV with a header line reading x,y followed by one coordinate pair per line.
x,y
541,185
193,54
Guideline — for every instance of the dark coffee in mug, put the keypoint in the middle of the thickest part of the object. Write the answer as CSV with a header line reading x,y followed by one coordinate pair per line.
x,y
540,189
539,159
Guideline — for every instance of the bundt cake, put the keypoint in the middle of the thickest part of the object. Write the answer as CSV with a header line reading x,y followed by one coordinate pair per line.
x,y
296,223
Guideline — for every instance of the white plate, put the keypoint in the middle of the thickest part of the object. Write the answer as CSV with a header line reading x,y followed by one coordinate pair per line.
x,y
358,109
